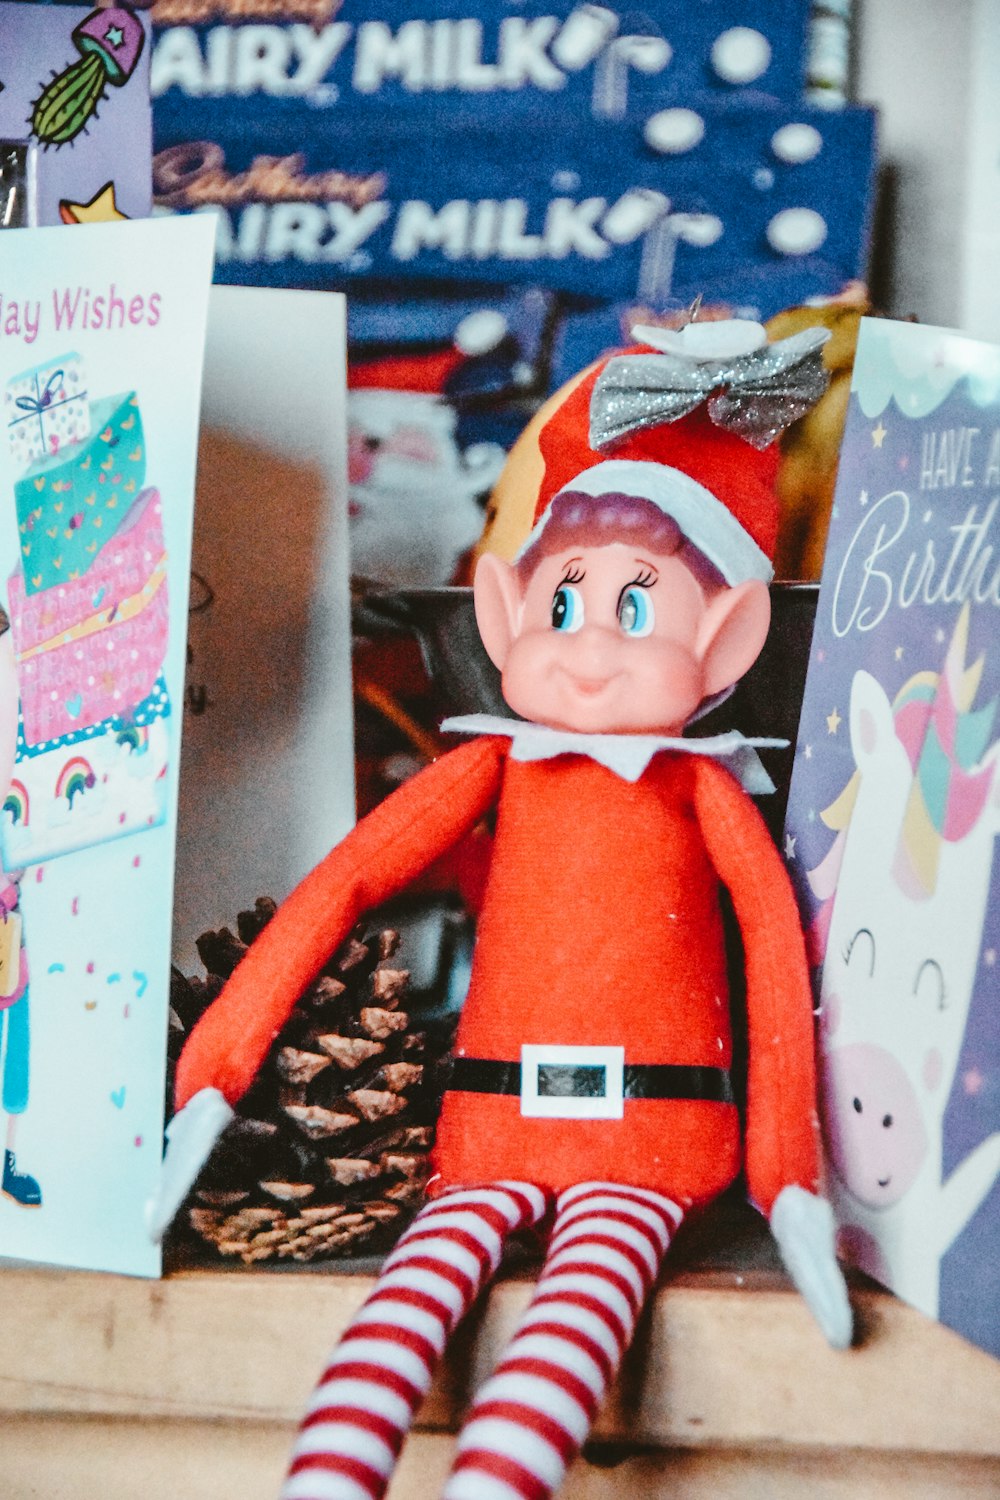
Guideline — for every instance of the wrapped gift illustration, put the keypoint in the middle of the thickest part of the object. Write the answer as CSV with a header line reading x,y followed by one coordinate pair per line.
x,y
46,410
88,648
87,787
70,503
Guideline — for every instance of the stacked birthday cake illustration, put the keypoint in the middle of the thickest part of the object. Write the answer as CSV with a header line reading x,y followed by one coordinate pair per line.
x,y
89,618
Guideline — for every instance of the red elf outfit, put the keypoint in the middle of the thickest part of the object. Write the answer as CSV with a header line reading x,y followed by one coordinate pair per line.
x,y
593,1049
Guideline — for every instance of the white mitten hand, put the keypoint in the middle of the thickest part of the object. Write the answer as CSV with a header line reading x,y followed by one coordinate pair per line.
x,y
191,1135
804,1228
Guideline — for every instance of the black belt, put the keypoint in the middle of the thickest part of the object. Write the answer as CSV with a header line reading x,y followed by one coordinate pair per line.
x,y
479,1075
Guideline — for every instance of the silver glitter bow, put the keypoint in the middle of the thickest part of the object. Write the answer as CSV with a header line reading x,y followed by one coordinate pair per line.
x,y
755,395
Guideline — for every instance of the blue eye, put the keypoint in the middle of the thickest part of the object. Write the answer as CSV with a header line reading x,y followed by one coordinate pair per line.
x,y
635,612
567,609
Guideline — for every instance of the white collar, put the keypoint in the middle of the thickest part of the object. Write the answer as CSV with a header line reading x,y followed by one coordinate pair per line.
x,y
627,755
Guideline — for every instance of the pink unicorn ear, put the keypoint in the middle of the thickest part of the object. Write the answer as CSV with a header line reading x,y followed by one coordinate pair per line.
x,y
871,719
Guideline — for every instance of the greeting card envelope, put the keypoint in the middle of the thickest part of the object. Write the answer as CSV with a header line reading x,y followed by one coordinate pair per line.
x,y
46,409
89,786
71,503
91,647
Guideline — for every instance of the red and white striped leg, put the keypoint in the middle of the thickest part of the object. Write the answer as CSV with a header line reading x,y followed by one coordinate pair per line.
x,y
534,1413
380,1371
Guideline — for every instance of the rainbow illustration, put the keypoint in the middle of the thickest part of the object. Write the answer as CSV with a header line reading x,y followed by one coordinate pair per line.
x,y
133,737
74,778
16,803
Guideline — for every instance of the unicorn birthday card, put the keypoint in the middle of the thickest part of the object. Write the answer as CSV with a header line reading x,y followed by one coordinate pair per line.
x,y
892,825
102,331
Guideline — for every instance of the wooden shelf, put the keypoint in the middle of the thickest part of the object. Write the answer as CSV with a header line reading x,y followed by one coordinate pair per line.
x,y
117,1387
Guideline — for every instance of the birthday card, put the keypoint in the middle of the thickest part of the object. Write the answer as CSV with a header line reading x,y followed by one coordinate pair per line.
x,y
893,818
101,341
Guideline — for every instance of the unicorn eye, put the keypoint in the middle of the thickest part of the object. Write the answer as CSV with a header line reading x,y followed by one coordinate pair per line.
x,y
636,615
567,609
862,932
931,976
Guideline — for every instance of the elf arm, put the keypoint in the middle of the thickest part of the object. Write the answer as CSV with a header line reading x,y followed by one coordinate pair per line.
x,y
381,856
782,1130
782,1140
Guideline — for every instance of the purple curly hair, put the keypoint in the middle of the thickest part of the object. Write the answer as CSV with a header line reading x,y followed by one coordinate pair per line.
x,y
578,519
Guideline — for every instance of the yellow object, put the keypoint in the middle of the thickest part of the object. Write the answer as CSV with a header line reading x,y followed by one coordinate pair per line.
x,y
809,450
102,208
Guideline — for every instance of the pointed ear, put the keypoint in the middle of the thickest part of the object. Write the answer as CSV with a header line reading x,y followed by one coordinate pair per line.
x,y
496,593
733,633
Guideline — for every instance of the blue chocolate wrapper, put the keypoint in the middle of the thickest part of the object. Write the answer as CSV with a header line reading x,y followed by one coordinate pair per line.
x,y
613,211
509,59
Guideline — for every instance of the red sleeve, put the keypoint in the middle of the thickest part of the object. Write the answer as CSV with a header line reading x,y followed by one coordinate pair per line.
x,y
782,1131
380,857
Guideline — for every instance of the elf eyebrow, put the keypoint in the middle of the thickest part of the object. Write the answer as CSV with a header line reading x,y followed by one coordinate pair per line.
x,y
648,574
574,573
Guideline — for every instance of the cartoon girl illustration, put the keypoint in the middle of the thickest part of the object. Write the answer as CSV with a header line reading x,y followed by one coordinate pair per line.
x,y
15,1052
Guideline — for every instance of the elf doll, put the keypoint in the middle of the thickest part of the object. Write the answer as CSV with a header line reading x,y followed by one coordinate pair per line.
x,y
590,1094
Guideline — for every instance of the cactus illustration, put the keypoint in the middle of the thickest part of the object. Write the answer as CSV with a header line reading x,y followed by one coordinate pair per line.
x,y
110,42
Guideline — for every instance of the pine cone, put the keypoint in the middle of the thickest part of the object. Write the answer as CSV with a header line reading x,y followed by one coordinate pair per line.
x,y
329,1150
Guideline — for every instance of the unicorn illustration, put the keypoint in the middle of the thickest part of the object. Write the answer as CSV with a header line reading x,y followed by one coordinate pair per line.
x,y
904,890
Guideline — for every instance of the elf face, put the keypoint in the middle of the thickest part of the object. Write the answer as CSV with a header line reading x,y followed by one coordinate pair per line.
x,y
615,639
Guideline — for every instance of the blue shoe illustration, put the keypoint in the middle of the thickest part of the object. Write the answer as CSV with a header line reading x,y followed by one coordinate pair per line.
x,y
20,1186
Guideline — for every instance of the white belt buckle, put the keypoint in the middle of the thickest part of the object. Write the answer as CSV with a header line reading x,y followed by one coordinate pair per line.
x,y
541,1098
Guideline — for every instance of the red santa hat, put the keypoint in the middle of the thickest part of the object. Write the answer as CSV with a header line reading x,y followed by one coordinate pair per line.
x,y
429,372
420,373
687,421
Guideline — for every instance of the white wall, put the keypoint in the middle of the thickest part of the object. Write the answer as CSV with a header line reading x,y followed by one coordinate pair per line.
x,y
933,69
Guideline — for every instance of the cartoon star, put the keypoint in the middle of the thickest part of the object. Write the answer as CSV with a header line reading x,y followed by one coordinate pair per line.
x,y
879,435
833,721
102,208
